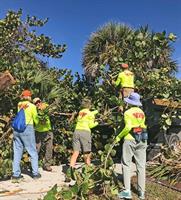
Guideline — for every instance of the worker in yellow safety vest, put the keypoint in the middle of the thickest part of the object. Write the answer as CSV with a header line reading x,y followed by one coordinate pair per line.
x,y
26,139
43,133
125,79
82,135
135,144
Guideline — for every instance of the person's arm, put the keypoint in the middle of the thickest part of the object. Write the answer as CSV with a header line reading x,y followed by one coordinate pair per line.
x,y
126,129
35,115
92,122
118,81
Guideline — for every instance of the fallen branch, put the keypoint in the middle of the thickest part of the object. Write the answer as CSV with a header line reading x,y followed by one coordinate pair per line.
x,y
5,135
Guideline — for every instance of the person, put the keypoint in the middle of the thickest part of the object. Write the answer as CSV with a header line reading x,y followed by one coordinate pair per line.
x,y
134,145
126,80
26,139
43,133
82,135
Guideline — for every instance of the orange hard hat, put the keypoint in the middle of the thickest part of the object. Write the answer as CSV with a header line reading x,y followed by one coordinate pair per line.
x,y
124,65
26,93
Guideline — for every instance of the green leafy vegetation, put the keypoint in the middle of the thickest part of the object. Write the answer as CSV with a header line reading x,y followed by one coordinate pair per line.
x,y
24,53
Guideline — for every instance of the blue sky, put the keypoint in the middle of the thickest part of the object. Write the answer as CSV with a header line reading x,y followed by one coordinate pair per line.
x,y
72,21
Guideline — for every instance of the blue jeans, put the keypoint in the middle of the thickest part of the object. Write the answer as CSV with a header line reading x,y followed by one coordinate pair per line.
x,y
25,140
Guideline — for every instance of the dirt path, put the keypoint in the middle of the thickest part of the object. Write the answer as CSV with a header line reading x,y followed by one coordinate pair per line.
x,y
29,189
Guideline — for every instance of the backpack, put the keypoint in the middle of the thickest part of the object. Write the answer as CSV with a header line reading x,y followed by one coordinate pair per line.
x,y
19,122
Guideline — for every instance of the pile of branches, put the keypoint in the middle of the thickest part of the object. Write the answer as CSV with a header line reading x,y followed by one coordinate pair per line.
x,y
167,164
94,182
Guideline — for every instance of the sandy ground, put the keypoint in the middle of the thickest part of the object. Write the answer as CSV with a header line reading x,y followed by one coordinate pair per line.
x,y
30,189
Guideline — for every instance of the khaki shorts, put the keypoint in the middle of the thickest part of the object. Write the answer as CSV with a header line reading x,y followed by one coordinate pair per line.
x,y
82,141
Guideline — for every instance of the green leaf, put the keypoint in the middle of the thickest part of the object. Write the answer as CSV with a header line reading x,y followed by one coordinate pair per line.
x,y
84,188
114,190
168,121
100,152
120,59
75,189
164,115
51,194
67,195
106,147
113,152
172,37
137,43
115,59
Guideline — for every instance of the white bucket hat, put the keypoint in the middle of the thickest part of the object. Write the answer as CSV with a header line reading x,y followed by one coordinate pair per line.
x,y
133,99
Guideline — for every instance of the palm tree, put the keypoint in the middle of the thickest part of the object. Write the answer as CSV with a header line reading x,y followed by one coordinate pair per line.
x,y
146,52
105,46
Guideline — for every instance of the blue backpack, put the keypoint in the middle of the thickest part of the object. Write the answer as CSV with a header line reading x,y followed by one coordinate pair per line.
x,y
19,122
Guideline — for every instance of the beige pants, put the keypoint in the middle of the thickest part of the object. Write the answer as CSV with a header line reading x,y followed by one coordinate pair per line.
x,y
137,150
125,92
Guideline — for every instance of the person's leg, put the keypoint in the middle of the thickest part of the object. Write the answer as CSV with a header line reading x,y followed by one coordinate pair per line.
x,y
76,148
73,158
87,158
127,155
86,143
28,138
127,92
39,138
121,94
48,150
140,159
18,151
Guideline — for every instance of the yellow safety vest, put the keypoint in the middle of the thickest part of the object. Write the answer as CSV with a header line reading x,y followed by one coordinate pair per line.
x,y
125,79
133,117
45,126
30,112
86,120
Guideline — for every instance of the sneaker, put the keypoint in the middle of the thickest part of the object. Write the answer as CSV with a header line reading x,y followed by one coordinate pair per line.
x,y
48,169
17,177
141,195
125,194
36,176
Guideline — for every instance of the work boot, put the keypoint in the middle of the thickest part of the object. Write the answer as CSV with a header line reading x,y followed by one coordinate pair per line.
x,y
47,168
36,176
16,178
125,194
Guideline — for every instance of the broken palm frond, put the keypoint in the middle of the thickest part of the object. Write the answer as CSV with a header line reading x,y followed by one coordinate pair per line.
x,y
168,165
